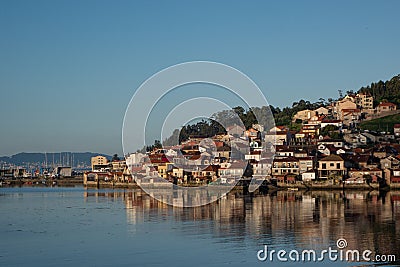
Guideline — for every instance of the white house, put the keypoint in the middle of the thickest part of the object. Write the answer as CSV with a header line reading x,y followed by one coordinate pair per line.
x,y
308,176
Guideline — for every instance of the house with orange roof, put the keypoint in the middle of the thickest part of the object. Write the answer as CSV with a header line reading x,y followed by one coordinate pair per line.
x,y
385,107
252,134
350,116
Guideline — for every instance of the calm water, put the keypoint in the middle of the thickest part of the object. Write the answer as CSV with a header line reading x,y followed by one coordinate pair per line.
x,y
75,227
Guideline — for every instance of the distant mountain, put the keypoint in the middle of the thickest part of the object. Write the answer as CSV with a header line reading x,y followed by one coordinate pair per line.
x,y
61,158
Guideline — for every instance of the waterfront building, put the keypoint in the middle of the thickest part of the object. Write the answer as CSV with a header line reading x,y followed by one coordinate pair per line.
x,y
331,166
99,162
284,166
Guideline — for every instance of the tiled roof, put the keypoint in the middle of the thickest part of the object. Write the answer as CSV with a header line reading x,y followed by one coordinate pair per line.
x,y
287,159
386,104
332,157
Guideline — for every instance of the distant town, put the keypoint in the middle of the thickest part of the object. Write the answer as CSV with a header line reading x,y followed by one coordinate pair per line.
x,y
353,141
329,150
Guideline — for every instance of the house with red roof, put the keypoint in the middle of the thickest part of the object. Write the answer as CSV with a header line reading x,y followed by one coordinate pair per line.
x,y
385,107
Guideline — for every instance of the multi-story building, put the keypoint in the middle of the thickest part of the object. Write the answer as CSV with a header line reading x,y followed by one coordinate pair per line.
x,y
305,164
304,115
283,166
365,101
99,162
346,103
331,166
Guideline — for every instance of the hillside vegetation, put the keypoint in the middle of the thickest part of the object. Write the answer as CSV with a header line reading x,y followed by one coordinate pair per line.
x,y
384,124
384,91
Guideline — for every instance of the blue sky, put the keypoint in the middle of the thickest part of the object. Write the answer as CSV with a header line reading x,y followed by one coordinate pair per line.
x,y
69,68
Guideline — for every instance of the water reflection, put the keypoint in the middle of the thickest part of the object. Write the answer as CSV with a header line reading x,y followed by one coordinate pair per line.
x,y
367,220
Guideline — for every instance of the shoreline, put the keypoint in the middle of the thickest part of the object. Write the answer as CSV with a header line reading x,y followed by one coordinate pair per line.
x,y
280,186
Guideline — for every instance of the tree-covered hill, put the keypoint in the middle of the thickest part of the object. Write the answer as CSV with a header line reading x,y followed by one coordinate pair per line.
x,y
384,91
381,91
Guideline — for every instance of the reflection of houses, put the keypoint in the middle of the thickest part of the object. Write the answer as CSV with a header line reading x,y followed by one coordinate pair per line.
x,y
330,166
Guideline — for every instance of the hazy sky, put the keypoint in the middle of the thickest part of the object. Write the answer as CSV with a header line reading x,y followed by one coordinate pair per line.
x,y
69,68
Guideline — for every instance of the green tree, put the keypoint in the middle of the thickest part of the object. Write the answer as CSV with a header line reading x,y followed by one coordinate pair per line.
x,y
115,157
332,131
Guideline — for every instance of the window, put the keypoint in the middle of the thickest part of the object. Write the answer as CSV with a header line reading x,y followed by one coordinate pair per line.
x,y
337,165
331,164
323,165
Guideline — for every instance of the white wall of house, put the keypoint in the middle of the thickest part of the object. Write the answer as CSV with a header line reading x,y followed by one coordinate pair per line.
x,y
308,176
